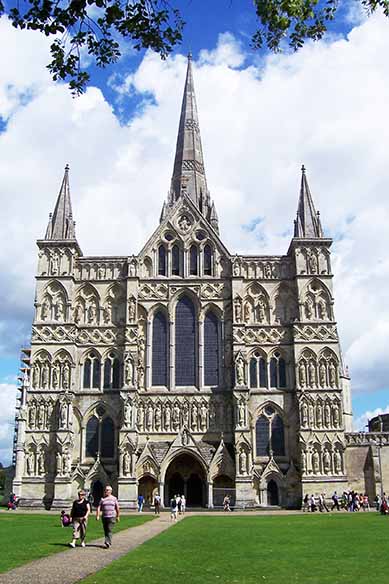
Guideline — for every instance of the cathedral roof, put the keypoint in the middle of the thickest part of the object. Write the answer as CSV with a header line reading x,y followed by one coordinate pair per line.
x,y
188,171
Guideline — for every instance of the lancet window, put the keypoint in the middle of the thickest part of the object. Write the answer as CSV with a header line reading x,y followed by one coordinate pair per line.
x,y
207,263
160,349
193,261
100,437
91,377
211,349
277,371
270,433
162,264
112,372
185,342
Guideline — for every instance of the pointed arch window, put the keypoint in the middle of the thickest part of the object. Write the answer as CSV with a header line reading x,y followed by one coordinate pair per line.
x,y
211,349
100,437
186,340
176,261
161,260
277,436
277,371
91,375
112,372
258,371
160,350
193,261
207,260
262,436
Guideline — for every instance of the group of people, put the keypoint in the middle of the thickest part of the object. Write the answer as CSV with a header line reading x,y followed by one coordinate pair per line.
x,y
382,503
107,509
13,502
349,501
177,506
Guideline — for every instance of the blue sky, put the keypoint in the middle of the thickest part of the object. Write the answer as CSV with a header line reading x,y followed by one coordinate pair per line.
x,y
261,116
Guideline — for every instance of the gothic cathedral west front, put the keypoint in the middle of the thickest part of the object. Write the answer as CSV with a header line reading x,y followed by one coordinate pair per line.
x,y
184,369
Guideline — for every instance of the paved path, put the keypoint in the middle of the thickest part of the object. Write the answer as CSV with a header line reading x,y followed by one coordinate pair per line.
x,y
73,565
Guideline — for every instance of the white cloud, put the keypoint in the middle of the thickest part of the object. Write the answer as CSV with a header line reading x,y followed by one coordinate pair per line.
x,y
361,422
325,106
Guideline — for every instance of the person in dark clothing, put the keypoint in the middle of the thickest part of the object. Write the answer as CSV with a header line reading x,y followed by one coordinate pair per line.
x,y
79,514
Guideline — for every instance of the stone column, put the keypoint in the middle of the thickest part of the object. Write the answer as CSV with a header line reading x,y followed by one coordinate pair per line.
x,y
210,495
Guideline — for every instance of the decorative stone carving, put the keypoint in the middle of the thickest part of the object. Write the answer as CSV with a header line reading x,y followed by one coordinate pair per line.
x,y
131,309
239,370
326,462
315,462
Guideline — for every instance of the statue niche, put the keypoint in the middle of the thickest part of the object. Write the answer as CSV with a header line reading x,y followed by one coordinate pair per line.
x,y
255,305
316,302
86,307
53,306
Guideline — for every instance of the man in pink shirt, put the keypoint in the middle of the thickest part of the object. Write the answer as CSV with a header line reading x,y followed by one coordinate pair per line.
x,y
108,508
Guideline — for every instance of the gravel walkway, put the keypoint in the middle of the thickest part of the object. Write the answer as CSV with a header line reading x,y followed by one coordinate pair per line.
x,y
73,565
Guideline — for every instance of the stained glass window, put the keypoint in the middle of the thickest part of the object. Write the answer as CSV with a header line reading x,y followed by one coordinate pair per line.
x,y
253,372
262,436
277,436
96,373
92,436
116,373
186,361
282,372
176,261
160,350
107,438
87,373
211,349
161,260
107,374
193,261
208,260
273,372
262,373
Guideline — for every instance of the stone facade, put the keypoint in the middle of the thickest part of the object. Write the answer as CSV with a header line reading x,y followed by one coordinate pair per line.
x,y
185,367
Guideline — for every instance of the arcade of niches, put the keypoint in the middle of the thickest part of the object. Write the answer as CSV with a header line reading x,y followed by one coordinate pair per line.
x,y
184,369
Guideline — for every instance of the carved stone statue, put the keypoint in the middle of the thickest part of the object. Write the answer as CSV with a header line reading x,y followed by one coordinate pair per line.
x,y
31,416
63,415
66,376
303,461
55,377
132,269
302,374
41,415
141,377
315,462
59,310
128,414
194,417
261,312
30,464
58,459
332,374
141,417
141,349
247,312
41,463
327,415
319,415
131,310
322,374
304,415
157,418
312,374
238,310
236,269
239,370
126,462
203,417
106,315
309,308
35,376
45,376
78,314
129,372
45,309
322,309
167,417
338,462
243,462
311,415
327,462
54,265
185,415
67,462
149,417
92,314
268,271
241,414
335,416
312,263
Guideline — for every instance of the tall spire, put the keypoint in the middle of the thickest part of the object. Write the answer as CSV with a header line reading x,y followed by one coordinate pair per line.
x,y
61,225
188,172
307,223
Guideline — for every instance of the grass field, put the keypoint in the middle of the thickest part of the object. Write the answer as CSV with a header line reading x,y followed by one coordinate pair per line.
x,y
26,537
304,549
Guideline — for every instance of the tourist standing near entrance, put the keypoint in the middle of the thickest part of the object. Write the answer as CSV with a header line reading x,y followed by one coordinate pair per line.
x,y
140,503
157,504
79,514
108,508
173,508
183,504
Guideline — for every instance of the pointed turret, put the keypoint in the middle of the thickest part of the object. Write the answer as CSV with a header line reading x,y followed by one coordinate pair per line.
x,y
188,172
307,223
61,225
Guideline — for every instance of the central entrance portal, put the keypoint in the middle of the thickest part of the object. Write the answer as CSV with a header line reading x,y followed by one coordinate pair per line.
x,y
186,476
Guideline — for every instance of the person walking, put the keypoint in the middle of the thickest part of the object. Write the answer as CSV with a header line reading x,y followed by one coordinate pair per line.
x,y
306,503
157,504
226,503
173,508
183,504
79,516
109,510
141,501
335,501
179,504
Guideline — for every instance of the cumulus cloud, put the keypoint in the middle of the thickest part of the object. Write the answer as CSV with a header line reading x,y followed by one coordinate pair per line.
x,y
325,106
361,422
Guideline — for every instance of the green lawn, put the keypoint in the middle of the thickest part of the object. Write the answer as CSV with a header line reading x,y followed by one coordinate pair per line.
x,y
304,549
25,537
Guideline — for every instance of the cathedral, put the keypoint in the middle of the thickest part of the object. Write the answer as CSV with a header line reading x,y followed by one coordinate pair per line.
x,y
185,368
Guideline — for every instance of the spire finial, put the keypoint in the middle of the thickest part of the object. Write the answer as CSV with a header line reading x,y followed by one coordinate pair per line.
x,y
67,168
190,55
303,169
61,224
307,223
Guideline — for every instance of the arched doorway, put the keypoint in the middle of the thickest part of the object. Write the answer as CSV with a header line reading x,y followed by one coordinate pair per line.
x,y
148,487
97,492
186,476
272,493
